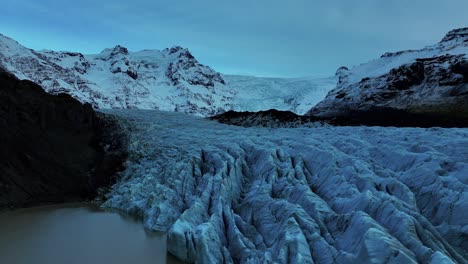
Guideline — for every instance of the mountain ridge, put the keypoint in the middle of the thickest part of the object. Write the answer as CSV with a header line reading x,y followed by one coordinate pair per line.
x,y
171,79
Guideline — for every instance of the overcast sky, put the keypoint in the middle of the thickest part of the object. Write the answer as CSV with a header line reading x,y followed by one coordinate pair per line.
x,y
286,38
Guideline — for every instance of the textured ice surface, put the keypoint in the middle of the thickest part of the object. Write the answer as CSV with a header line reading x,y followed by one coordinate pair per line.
x,y
228,194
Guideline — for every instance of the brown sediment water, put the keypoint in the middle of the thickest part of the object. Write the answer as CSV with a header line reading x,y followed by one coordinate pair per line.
x,y
76,234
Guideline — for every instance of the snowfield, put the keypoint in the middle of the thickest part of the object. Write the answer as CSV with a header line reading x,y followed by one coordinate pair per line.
x,y
227,194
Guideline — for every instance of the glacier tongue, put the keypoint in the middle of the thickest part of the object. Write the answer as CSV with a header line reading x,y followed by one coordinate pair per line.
x,y
229,194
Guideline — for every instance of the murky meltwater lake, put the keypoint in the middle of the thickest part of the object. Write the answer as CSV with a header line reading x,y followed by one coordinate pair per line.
x,y
76,234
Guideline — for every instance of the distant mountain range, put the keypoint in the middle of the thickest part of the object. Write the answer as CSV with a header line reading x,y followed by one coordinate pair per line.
x,y
170,79
432,81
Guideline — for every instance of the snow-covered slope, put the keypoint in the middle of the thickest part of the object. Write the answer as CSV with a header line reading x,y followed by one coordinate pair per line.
x,y
432,79
170,79
227,194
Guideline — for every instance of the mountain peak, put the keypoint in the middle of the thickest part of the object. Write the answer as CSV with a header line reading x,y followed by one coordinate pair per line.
x,y
7,40
2,37
120,49
175,49
457,34
111,52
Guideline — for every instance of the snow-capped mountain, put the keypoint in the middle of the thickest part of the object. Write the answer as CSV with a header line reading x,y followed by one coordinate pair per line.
x,y
432,80
170,79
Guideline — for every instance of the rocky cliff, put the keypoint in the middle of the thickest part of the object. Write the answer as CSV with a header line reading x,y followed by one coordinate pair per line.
x,y
54,149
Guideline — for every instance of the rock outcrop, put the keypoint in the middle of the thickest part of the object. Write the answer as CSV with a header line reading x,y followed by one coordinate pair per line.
x,y
270,118
374,116
53,148
429,84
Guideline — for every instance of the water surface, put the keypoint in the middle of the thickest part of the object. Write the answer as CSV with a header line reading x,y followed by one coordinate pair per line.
x,y
76,234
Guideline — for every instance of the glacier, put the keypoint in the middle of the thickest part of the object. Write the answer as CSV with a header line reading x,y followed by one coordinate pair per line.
x,y
228,194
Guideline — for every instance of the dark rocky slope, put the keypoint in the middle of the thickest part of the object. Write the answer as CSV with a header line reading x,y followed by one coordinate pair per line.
x,y
372,117
269,118
54,149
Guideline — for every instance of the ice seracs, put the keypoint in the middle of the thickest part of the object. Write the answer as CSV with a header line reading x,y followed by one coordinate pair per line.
x,y
227,194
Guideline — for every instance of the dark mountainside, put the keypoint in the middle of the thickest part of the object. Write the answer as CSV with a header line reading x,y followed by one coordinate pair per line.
x,y
54,149
374,117
269,118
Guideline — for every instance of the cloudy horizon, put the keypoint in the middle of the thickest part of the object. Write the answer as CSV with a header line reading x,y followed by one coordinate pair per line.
x,y
262,38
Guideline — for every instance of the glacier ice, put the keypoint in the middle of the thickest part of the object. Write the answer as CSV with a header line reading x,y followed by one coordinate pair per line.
x,y
227,194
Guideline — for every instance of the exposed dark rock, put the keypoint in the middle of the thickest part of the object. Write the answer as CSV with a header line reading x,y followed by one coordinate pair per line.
x,y
73,54
132,73
54,149
461,67
459,33
269,118
342,68
171,74
459,90
175,49
394,54
82,67
373,117
342,74
113,141
186,54
340,95
181,70
406,76
117,70
398,118
119,50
